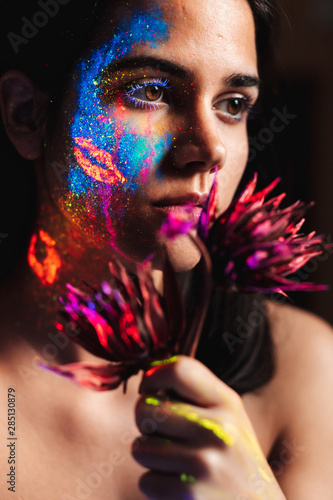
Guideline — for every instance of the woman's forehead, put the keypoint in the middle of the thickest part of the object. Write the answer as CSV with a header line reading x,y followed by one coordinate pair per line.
x,y
226,26
180,14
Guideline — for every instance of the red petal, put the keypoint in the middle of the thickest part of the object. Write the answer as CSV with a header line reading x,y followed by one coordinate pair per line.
x,y
96,377
249,190
102,328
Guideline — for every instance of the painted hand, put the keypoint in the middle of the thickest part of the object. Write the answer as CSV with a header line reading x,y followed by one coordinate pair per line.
x,y
198,443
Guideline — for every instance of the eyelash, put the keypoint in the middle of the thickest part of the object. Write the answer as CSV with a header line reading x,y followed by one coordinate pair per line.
x,y
139,103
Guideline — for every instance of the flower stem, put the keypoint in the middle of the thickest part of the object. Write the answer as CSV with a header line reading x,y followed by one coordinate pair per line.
x,y
192,338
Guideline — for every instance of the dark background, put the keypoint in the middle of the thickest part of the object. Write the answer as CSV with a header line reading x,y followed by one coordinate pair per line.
x,y
302,153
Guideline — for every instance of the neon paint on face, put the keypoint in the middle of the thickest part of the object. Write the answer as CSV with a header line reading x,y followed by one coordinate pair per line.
x,y
46,270
127,151
108,149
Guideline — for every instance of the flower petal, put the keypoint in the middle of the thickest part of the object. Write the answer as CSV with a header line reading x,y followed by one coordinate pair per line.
x,y
96,377
208,213
178,224
255,244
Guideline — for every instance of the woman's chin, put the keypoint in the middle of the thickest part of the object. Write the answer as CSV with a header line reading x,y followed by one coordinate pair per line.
x,y
182,253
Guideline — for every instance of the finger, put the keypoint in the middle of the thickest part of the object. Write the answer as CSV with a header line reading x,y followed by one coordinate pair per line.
x,y
181,421
189,379
159,486
163,455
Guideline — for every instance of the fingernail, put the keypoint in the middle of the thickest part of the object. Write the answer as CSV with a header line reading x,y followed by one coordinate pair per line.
x,y
185,478
150,400
155,365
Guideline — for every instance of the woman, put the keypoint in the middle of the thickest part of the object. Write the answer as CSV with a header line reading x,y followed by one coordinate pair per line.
x,y
159,96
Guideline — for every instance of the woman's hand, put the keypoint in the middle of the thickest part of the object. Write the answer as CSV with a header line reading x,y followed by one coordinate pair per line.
x,y
198,443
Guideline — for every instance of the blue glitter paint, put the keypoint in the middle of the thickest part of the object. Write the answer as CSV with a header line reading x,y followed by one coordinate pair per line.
x,y
129,149
79,181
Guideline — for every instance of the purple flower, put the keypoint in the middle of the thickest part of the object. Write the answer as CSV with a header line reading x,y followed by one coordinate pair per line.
x,y
254,245
126,322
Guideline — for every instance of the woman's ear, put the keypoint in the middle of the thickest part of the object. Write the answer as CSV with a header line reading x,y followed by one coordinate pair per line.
x,y
22,105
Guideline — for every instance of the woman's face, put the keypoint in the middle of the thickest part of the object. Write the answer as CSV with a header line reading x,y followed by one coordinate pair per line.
x,y
158,101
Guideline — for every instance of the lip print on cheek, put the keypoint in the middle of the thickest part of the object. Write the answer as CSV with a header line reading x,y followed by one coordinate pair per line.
x,y
108,148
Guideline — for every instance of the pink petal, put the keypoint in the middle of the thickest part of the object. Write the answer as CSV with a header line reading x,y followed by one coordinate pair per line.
x,y
257,258
208,213
177,224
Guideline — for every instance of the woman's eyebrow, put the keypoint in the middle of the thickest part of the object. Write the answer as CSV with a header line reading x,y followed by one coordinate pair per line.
x,y
141,62
166,66
242,80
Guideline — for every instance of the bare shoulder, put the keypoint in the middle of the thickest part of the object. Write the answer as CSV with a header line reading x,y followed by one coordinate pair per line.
x,y
303,392
303,344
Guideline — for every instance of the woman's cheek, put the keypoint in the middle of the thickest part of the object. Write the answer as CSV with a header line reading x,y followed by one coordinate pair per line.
x,y
106,171
141,149
118,147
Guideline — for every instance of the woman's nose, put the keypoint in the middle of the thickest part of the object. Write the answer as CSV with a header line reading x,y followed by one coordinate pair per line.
x,y
198,143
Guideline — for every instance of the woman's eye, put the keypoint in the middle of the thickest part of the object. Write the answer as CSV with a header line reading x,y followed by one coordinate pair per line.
x,y
148,94
153,92
234,107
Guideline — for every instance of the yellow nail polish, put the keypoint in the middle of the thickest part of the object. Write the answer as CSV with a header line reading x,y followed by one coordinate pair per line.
x,y
166,361
155,365
185,478
152,401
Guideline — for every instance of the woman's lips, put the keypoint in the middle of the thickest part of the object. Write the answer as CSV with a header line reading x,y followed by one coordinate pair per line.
x,y
188,205
186,210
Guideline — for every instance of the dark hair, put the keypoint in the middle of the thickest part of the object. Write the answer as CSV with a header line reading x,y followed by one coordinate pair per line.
x,y
266,18
243,363
235,342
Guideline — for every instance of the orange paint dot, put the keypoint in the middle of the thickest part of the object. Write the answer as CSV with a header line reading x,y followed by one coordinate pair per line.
x,y
110,175
48,268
